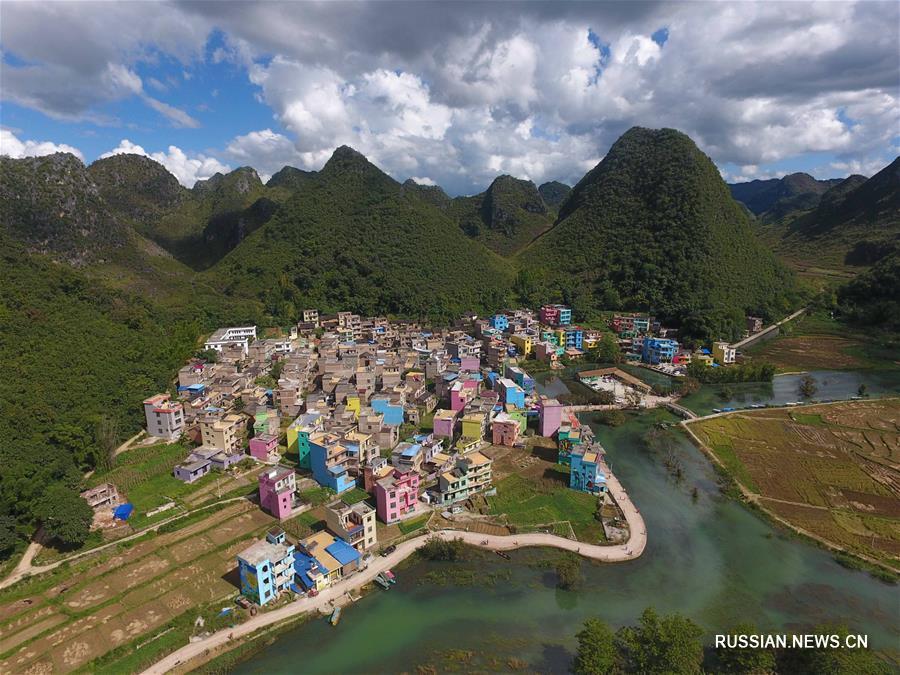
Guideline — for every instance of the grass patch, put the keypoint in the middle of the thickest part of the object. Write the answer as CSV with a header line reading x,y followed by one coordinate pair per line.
x,y
317,495
413,524
354,496
528,503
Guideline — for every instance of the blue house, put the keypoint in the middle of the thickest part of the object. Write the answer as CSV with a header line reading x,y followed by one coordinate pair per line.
x,y
266,568
574,337
585,474
499,322
521,378
393,412
511,393
322,559
659,350
329,459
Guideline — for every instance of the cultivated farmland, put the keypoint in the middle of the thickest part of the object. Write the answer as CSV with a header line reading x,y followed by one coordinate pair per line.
x,y
830,470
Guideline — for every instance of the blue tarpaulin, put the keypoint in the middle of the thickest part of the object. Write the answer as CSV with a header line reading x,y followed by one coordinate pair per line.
x,y
123,511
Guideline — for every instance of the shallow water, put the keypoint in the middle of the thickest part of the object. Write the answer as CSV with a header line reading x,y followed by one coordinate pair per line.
x,y
713,560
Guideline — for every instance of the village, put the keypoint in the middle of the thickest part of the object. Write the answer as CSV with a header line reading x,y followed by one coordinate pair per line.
x,y
396,422
286,469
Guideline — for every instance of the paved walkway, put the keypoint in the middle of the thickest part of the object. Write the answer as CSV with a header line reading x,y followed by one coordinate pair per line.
x,y
630,550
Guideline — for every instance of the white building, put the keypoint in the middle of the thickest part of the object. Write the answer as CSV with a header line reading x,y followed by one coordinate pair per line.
x,y
235,335
165,419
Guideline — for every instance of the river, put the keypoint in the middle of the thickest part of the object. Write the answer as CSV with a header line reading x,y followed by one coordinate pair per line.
x,y
711,559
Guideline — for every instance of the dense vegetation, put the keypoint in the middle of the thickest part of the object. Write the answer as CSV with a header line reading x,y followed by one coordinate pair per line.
x,y
653,227
81,358
873,298
673,644
554,193
354,240
744,372
856,222
505,217
774,198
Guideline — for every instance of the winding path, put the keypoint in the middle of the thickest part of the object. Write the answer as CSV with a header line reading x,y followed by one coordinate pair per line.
x,y
630,550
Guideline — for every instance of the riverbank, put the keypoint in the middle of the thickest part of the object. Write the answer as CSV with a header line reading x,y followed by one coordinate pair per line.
x,y
338,593
768,504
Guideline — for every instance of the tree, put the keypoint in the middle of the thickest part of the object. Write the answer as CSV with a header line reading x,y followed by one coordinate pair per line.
x,y
65,516
239,404
841,661
863,389
568,572
807,386
748,660
607,350
668,644
596,653
208,355
8,537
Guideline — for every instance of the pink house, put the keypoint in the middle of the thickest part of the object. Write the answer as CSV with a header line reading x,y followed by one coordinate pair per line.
x,y
262,445
276,491
470,364
396,495
551,412
504,430
444,423
459,396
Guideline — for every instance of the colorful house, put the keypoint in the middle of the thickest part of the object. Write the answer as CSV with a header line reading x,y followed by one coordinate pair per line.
x,y
550,416
444,423
521,378
330,460
499,322
354,523
322,559
396,495
298,434
555,315
263,446
659,350
511,393
586,474
393,412
504,430
473,425
266,568
522,342
472,474
277,489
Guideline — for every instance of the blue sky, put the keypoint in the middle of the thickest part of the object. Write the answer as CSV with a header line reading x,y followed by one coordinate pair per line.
x,y
453,94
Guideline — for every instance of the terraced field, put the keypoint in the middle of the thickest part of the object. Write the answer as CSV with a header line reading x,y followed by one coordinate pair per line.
x,y
125,596
831,470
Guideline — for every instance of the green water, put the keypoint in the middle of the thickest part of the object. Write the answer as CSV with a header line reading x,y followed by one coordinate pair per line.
x,y
713,560
831,385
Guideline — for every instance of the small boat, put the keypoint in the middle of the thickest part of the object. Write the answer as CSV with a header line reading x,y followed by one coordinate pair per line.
x,y
390,576
381,581
335,616
503,555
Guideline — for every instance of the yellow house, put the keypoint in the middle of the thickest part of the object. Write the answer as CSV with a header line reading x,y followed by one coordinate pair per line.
x,y
700,357
523,342
222,433
354,405
473,425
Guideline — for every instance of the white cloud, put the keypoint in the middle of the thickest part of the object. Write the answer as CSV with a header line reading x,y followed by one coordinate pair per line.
x,y
187,169
11,146
423,180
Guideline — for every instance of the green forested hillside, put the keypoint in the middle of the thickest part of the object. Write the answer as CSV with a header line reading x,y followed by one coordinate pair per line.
x,y
354,240
52,206
774,198
554,193
505,217
873,298
653,226
433,194
80,358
